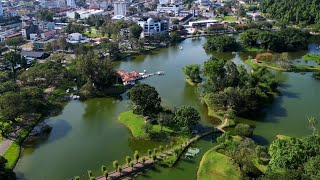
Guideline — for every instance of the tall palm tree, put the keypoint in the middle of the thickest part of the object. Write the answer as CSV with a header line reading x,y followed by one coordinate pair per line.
x,y
128,160
136,156
89,173
150,153
115,165
105,174
103,168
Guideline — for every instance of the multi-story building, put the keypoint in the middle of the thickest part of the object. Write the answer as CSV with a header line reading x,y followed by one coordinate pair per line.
x,y
1,9
153,25
120,8
169,9
71,3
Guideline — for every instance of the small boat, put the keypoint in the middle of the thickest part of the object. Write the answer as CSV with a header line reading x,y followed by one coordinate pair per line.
x,y
181,48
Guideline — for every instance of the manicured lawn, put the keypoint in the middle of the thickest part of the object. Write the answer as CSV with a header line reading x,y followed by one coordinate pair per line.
x,y
12,155
230,18
312,57
135,123
94,33
216,166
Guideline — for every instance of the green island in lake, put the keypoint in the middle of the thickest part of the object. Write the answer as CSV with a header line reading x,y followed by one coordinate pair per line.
x,y
104,91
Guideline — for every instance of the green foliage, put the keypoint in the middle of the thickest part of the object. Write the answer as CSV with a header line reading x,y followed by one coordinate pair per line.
x,y
5,173
45,15
5,128
146,99
103,168
14,41
243,130
49,73
186,118
292,153
74,28
230,87
311,168
115,164
136,156
12,59
288,39
192,71
128,160
221,43
175,21
296,11
135,31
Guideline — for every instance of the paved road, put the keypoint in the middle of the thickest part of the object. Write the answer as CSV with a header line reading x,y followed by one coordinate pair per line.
x,y
4,145
221,126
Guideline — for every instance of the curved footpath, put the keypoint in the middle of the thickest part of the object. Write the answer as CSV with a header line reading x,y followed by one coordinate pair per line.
x,y
4,145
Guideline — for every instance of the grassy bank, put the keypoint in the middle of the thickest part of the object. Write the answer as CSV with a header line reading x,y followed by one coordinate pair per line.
x,y
217,166
312,57
191,83
12,155
293,67
136,122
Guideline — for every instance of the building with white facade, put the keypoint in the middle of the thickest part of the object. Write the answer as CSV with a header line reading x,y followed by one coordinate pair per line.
x,y
1,9
120,8
84,13
71,3
169,9
153,25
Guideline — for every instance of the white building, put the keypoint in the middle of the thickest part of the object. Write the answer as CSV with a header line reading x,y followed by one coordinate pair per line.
x,y
164,1
1,9
153,26
120,8
71,3
169,9
75,37
84,13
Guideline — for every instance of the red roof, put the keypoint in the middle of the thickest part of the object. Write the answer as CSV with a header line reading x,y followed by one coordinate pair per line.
x,y
13,35
134,74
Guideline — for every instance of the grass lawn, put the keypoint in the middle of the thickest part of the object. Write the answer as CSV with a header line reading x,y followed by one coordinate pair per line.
x,y
136,122
229,18
12,155
218,167
94,33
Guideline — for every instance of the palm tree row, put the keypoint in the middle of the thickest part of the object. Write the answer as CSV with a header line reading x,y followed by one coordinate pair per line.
x,y
151,154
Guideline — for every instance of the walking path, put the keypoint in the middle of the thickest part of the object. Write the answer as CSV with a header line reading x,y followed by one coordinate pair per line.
x,y
128,172
223,125
4,145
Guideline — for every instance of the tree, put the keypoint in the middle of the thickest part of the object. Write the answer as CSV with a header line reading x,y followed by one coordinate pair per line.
x,y
76,15
287,153
185,118
106,174
128,160
249,38
136,156
5,173
13,59
221,43
192,71
62,43
311,168
6,128
243,130
14,41
115,164
147,128
164,119
174,37
175,21
224,137
45,15
89,174
313,123
135,31
146,99
103,168
114,50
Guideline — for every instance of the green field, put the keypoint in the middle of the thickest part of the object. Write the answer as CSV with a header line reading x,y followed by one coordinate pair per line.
x,y
136,122
12,155
94,33
216,166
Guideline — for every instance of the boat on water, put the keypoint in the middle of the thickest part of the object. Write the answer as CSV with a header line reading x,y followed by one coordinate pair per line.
x,y
181,48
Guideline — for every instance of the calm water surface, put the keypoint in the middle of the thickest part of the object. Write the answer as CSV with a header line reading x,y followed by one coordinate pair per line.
x,y
87,134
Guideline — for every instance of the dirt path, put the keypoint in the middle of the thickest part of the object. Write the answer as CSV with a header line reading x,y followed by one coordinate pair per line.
x,y
4,145
223,125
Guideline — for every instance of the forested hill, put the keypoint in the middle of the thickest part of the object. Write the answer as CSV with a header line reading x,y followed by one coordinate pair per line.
x,y
297,11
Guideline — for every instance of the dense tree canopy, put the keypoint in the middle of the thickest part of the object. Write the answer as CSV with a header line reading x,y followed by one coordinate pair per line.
x,y
222,43
5,174
228,87
192,71
297,11
45,15
135,31
146,99
287,39
186,118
